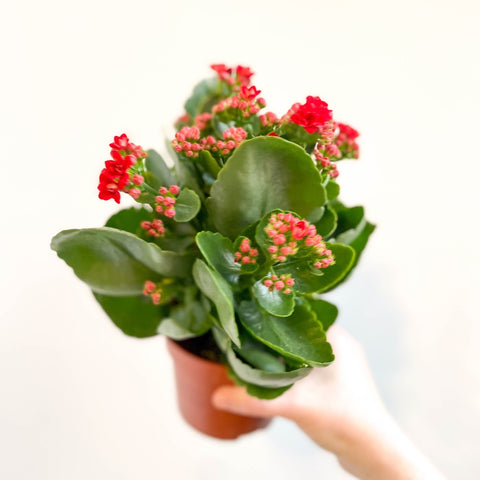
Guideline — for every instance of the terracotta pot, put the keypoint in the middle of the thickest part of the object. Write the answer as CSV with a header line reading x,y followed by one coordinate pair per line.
x,y
196,380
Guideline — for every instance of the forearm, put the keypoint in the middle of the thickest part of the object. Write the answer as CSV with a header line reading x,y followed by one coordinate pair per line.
x,y
375,449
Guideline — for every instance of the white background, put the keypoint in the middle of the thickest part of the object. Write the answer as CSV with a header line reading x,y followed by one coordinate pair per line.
x,y
78,399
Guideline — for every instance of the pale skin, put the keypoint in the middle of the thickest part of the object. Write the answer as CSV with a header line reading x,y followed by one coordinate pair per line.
x,y
340,409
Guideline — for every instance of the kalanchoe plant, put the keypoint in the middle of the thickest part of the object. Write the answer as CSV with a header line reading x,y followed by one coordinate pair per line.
x,y
237,240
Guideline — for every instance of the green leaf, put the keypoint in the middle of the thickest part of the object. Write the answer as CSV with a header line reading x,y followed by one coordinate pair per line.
x,y
360,242
255,390
299,336
327,224
326,312
187,205
263,174
333,190
208,163
219,292
218,252
186,321
113,262
205,94
264,378
351,221
136,316
275,302
309,280
158,173
129,220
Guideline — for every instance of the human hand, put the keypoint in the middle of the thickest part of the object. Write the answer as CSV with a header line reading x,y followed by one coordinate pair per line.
x,y
340,409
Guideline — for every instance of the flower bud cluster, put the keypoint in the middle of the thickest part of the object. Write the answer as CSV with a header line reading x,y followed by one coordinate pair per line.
x,y
154,228
323,155
288,234
245,104
269,120
282,283
115,177
166,200
246,254
345,141
152,290
188,141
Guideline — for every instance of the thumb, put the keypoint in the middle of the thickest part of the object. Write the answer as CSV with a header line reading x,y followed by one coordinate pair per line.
x,y
236,400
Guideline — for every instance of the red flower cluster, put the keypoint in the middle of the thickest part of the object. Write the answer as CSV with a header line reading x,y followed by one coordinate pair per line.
x,y
240,75
311,115
323,155
289,234
115,177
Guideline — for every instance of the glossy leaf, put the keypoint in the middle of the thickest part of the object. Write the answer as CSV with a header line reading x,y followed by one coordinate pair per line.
x,y
136,316
328,223
333,190
186,321
273,301
263,378
212,284
204,96
113,262
263,174
158,173
208,163
326,312
299,336
218,252
129,220
264,393
187,205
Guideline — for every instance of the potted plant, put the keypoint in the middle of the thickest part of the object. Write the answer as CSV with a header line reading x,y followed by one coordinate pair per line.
x,y
231,248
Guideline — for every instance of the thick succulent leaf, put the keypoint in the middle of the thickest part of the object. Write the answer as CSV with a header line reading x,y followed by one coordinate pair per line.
x,y
212,284
360,242
264,378
158,173
299,336
186,321
129,220
351,221
263,174
309,280
328,223
204,96
136,316
208,163
326,312
187,205
263,393
113,262
275,302
333,190
218,252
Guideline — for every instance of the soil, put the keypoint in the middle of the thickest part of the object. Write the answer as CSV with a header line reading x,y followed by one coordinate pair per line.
x,y
203,346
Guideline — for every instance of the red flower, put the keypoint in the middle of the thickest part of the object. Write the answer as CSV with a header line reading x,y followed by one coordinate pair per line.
x,y
223,72
248,93
109,186
244,74
312,114
123,144
120,143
